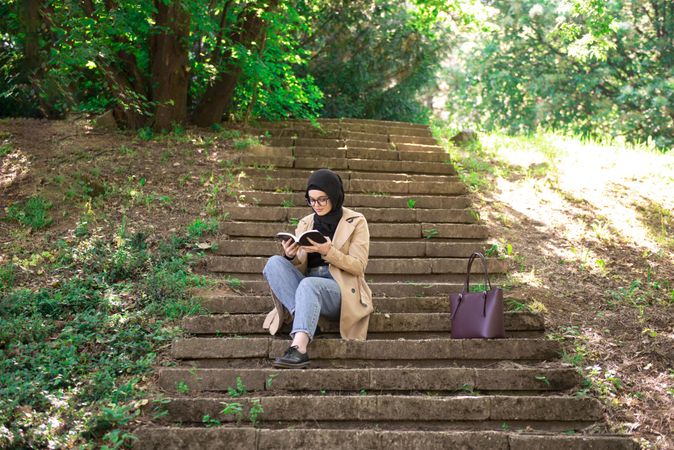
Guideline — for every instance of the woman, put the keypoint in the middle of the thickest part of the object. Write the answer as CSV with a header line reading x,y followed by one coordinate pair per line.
x,y
322,279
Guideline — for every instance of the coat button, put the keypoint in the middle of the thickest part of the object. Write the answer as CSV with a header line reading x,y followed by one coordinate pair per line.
x,y
353,290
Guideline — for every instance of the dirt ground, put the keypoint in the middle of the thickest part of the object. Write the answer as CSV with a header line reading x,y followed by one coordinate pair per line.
x,y
592,243
593,247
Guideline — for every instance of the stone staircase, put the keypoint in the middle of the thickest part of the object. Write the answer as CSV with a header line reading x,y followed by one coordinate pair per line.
x,y
409,385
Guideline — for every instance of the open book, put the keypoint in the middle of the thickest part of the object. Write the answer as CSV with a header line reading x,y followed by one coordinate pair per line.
x,y
303,239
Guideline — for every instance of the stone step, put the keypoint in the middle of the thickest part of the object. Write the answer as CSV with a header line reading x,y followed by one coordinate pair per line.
x,y
256,284
466,380
384,187
249,438
369,200
337,164
430,231
377,352
420,280
419,148
404,139
425,155
303,174
375,266
279,214
370,411
222,302
428,248
379,323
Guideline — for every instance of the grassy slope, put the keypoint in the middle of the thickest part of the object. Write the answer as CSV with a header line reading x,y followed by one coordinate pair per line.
x,y
99,236
591,228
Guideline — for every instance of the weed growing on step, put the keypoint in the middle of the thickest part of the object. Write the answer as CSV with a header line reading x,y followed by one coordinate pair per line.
x,y
208,421
234,409
410,203
255,411
233,282
469,389
294,221
182,387
288,203
543,379
430,233
238,390
76,355
33,213
270,380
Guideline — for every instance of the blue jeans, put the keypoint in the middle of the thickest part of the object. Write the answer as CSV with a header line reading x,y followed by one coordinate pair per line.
x,y
306,297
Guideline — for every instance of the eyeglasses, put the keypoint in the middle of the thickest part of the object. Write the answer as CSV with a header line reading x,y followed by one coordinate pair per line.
x,y
322,201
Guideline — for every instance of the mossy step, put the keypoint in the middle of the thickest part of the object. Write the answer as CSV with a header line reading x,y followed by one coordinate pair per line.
x,y
447,379
405,215
411,249
379,323
375,266
249,438
416,230
488,410
373,350
354,200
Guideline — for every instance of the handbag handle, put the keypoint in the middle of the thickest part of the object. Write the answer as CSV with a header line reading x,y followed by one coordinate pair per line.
x,y
466,285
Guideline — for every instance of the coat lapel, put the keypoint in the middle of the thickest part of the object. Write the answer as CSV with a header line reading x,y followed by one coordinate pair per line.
x,y
344,229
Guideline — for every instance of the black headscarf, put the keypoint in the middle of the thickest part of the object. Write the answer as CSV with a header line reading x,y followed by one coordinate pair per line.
x,y
329,182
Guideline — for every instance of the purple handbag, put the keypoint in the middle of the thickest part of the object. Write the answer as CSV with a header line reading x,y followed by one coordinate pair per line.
x,y
477,314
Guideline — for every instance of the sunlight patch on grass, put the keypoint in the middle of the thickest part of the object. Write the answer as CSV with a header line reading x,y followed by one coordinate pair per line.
x,y
589,180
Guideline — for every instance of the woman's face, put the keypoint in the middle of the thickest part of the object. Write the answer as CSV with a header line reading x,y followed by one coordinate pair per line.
x,y
320,202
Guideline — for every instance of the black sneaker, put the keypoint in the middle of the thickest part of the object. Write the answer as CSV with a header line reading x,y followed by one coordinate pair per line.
x,y
292,359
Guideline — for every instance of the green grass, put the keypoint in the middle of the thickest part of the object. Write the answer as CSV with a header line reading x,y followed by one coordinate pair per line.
x,y
5,149
33,212
244,143
75,356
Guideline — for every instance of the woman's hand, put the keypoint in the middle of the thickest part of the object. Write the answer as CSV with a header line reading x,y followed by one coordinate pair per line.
x,y
323,248
290,248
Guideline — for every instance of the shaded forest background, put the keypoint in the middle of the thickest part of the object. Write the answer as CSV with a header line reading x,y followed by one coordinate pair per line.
x,y
601,69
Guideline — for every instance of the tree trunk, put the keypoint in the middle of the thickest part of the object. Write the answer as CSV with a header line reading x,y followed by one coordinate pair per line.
x,y
217,99
32,70
169,64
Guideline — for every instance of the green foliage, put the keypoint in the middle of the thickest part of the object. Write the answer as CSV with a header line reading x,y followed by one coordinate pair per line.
x,y
238,390
430,233
410,203
32,212
374,59
72,356
593,68
89,57
7,274
5,149
200,227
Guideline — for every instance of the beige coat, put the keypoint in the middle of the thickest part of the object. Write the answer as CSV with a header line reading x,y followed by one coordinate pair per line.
x,y
347,260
